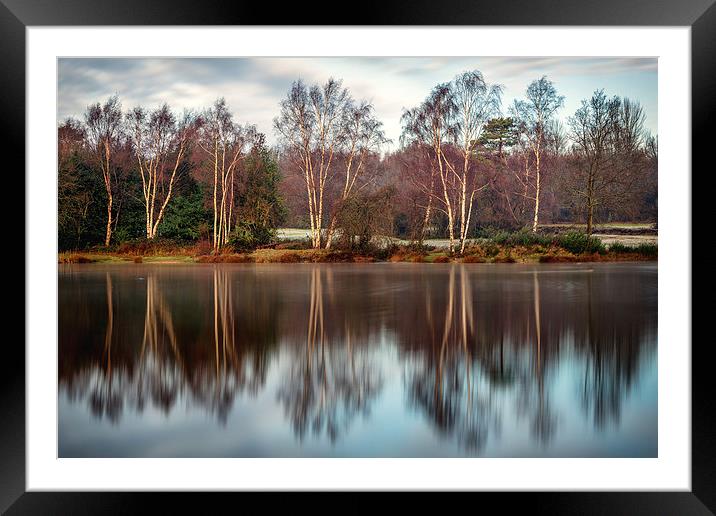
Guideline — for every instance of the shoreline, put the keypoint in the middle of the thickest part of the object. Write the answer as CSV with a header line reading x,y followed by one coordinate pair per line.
x,y
522,254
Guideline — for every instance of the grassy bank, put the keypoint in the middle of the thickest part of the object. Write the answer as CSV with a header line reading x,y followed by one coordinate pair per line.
x,y
501,247
110,257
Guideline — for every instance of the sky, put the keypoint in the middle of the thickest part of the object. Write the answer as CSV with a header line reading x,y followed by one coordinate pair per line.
x,y
253,87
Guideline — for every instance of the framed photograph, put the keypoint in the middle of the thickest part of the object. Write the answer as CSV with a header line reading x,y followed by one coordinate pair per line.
x,y
425,251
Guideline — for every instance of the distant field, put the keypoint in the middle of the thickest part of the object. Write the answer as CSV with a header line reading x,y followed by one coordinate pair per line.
x,y
635,228
627,233
293,233
630,240
632,225
602,231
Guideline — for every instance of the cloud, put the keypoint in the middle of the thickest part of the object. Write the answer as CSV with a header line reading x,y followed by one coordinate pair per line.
x,y
253,87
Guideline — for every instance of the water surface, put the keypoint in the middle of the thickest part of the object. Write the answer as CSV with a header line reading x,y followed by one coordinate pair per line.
x,y
347,360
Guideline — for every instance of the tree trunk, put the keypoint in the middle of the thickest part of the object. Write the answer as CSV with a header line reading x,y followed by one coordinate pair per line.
x,y
108,235
319,215
538,154
426,219
108,187
463,203
590,202
216,179
451,230
331,229
467,222
446,197
535,221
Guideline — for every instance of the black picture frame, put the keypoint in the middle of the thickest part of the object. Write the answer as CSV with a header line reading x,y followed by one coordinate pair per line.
x,y
700,15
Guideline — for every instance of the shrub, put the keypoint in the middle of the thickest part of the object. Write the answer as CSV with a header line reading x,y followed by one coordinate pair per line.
x,y
203,247
550,258
384,252
75,258
337,256
647,249
250,235
361,220
301,243
580,243
641,249
619,248
186,217
289,258
225,258
415,247
490,231
523,237
491,250
504,259
145,247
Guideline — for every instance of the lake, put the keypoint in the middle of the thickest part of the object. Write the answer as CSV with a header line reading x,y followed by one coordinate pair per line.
x,y
358,360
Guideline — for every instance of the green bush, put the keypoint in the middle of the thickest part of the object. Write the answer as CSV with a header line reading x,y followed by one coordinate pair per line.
x,y
578,243
491,250
642,249
524,237
619,248
647,249
250,235
186,219
385,251
485,232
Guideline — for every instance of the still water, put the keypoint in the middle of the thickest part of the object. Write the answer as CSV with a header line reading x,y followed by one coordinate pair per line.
x,y
350,360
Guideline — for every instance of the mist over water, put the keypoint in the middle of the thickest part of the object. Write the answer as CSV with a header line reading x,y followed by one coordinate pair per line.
x,y
377,360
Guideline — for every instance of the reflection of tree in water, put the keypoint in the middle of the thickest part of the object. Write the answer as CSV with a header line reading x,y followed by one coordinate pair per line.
x,y
223,353
477,345
159,371
103,397
234,369
533,401
613,348
330,381
447,384
501,351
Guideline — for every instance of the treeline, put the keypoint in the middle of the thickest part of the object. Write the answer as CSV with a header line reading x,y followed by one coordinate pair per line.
x,y
146,174
463,163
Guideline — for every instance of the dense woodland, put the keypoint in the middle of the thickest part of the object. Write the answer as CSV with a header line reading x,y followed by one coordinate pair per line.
x,y
464,164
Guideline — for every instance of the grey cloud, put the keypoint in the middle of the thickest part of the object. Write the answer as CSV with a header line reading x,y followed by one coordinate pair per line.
x,y
253,87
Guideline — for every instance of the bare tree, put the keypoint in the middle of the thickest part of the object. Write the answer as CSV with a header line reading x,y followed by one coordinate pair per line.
x,y
362,135
311,126
534,117
103,129
608,136
71,136
430,125
476,103
450,122
225,143
160,145
651,145
416,175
